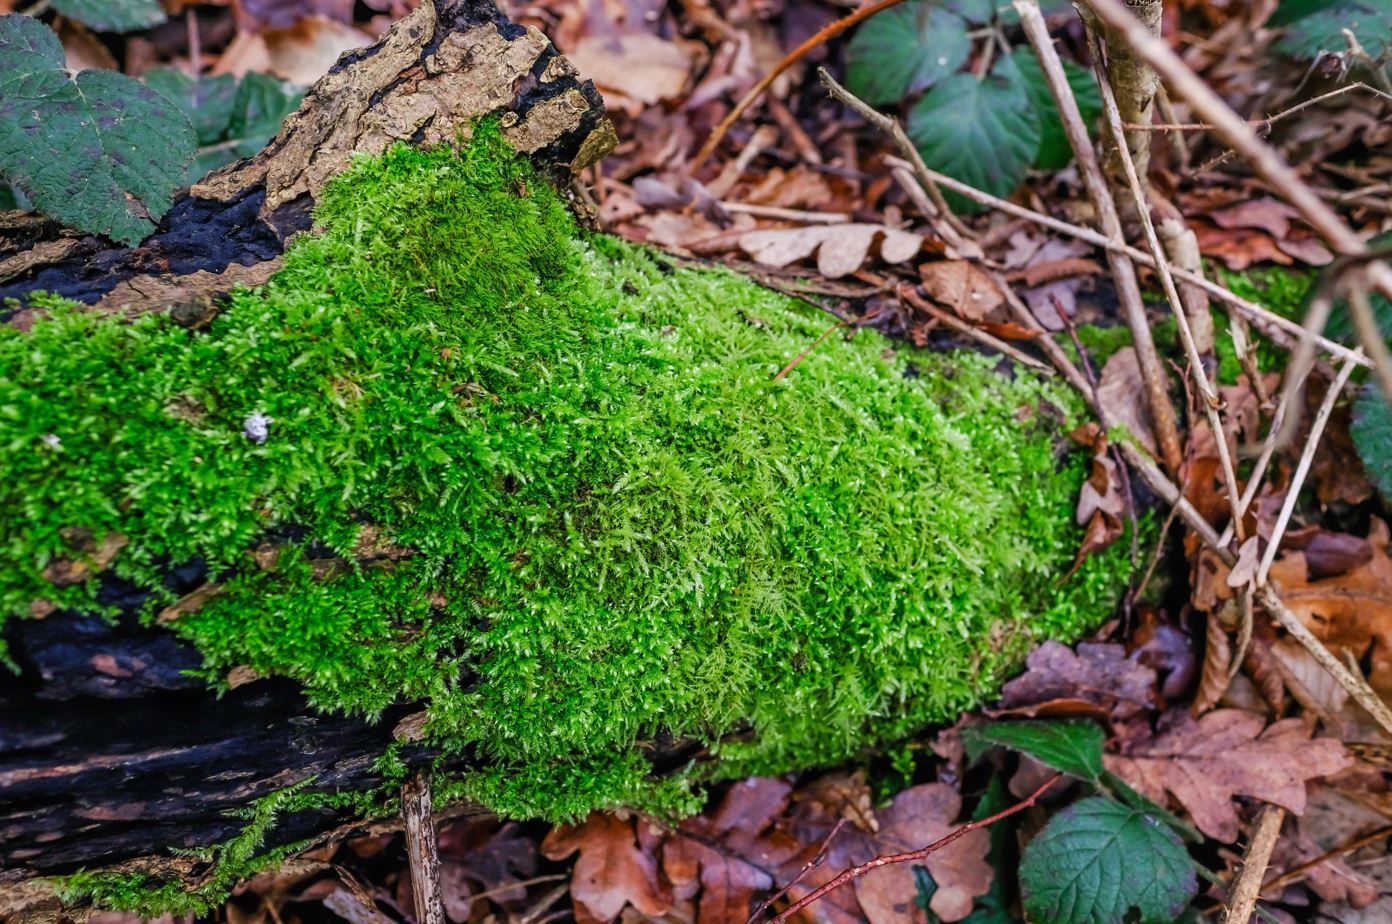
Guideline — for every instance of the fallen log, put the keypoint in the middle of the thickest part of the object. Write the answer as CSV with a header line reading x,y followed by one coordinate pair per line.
x,y
464,487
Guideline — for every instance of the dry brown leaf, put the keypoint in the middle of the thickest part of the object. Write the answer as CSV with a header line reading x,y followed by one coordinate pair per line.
x,y
611,871
1121,392
1264,213
1214,680
1097,680
727,884
1208,762
962,287
304,52
1038,274
847,247
918,817
638,65
1351,612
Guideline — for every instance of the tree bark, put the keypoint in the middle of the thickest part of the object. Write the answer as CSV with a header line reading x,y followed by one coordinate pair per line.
x,y
109,753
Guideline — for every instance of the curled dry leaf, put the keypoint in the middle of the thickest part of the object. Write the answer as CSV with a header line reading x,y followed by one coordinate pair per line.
x,y
1121,392
612,871
1218,654
1208,762
840,249
1097,680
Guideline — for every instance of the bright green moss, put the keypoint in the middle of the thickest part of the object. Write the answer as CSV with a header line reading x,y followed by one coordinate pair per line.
x,y
621,525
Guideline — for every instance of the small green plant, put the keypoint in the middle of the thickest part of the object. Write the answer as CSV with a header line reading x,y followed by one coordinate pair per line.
x,y
1108,858
104,153
988,126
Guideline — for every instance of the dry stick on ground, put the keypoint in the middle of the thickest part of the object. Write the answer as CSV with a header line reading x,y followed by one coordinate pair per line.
x,y
1233,129
907,293
856,872
1257,123
1242,897
421,849
1123,272
1208,396
1282,330
1299,872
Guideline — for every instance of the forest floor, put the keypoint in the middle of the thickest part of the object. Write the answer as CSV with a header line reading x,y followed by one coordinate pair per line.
x,y
1210,707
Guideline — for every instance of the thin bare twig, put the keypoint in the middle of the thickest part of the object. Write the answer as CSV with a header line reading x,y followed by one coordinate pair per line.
x,y
817,860
793,364
1258,123
1296,873
856,872
1208,397
907,293
1242,898
1123,272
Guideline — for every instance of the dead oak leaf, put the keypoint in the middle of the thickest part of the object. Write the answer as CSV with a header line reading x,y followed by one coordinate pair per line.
x,y
1350,612
1206,763
1122,396
841,249
611,871
918,817
1096,680
961,286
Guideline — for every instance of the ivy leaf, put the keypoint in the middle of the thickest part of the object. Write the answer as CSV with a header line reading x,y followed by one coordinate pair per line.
x,y
1098,860
905,49
113,15
1054,151
1074,748
100,151
982,132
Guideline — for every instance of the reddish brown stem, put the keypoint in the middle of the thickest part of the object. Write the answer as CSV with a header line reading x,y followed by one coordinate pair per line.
x,y
825,34
855,872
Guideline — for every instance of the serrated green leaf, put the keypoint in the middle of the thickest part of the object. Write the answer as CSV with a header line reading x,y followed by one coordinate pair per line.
x,y
1054,151
1101,862
1070,747
100,151
976,12
1372,436
903,50
982,132
207,101
113,15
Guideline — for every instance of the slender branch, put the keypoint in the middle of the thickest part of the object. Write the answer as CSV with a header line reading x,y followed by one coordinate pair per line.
x,y
823,35
807,867
1257,123
1302,469
1296,873
1123,272
907,293
793,364
1208,397
1242,898
855,872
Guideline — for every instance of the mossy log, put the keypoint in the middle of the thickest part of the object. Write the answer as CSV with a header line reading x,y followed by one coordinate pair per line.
x,y
463,486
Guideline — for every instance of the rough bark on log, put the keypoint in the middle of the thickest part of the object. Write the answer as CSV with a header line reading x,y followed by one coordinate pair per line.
x,y
425,81
109,752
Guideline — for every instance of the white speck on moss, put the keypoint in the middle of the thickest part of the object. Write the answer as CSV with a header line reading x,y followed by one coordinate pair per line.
x,y
52,440
257,427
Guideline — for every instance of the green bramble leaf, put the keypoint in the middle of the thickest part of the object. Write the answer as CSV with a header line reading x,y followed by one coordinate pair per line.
x,y
113,15
98,151
232,119
904,50
207,101
1372,436
1054,151
262,104
1314,27
1074,748
1101,862
982,132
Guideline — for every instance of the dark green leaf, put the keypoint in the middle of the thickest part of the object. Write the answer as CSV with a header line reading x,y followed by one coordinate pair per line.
x,y
113,15
903,50
99,151
1317,26
1074,748
207,101
1340,325
1372,436
975,12
1101,862
262,104
995,906
1054,150
925,888
982,132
